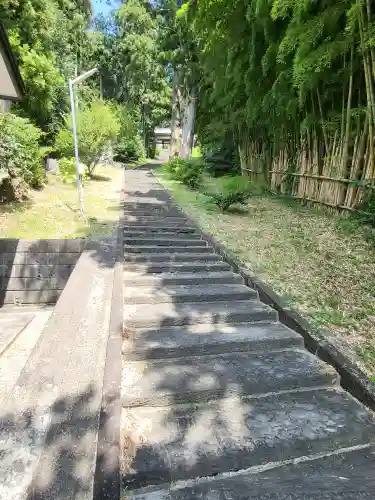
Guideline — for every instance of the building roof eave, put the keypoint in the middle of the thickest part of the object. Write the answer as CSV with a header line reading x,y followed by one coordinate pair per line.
x,y
12,65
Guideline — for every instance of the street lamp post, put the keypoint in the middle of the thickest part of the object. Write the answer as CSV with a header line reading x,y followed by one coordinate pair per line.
x,y
79,171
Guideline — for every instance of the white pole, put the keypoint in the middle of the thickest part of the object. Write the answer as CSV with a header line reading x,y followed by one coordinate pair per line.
x,y
76,80
78,169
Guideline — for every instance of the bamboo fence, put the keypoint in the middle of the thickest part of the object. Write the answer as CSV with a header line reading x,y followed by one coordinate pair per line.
x,y
311,175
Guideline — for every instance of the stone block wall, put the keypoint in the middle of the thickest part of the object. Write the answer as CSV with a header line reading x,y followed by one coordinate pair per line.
x,y
36,271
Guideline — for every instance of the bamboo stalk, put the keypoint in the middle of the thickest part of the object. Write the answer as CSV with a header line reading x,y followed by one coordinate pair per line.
x,y
348,116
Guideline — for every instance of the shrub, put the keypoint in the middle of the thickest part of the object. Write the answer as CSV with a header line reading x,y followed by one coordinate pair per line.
x,y
230,190
98,125
129,149
67,170
189,172
21,157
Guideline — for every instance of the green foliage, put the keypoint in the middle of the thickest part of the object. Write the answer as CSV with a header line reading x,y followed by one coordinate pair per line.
x,y
49,37
189,172
127,47
229,191
276,74
196,153
129,146
68,171
368,205
21,157
129,149
98,125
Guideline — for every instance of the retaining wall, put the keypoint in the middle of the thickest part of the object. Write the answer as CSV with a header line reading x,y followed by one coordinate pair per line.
x,y
36,271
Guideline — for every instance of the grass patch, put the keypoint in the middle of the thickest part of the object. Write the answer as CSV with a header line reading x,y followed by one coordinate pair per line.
x,y
322,264
53,211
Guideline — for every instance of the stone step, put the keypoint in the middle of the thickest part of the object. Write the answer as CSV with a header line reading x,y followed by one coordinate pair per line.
x,y
156,197
187,441
152,221
176,248
158,315
172,240
202,378
174,294
154,212
169,257
149,206
165,279
176,267
340,476
161,232
202,339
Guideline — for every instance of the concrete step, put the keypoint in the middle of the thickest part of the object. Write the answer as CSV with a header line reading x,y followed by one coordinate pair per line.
x,y
339,476
164,241
202,378
174,294
158,315
151,268
202,339
161,231
176,248
165,279
170,257
187,441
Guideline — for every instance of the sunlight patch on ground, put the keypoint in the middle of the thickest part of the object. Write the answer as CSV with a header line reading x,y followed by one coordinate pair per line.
x,y
53,211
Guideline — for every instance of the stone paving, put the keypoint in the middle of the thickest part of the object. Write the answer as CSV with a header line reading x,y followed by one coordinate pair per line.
x,y
219,399
20,328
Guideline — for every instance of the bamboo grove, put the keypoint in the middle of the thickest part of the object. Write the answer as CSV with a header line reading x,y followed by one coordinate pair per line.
x,y
292,82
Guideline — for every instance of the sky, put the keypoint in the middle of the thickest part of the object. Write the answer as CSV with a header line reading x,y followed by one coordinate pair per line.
x,y
102,7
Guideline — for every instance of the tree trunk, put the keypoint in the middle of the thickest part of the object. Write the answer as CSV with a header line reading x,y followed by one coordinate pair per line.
x,y
188,126
176,116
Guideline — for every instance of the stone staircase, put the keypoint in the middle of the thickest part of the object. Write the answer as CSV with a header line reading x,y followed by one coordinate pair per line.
x,y
219,399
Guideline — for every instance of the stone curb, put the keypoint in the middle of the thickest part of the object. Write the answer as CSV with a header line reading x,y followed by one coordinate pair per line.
x,y
107,471
352,377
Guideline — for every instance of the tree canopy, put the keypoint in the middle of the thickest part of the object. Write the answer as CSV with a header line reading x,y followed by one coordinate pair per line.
x,y
286,85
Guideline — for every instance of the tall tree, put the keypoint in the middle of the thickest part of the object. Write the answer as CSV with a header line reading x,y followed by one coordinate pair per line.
x,y
47,35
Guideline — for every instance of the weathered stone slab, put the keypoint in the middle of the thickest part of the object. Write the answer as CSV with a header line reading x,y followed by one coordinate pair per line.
x,y
183,442
164,241
187,293
173,257
159,232
201,339
8,245
10,326
19,297
142,249
175,267
8,259
185,380
344,476
29,284
164,279
151,315
154,221
39,271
